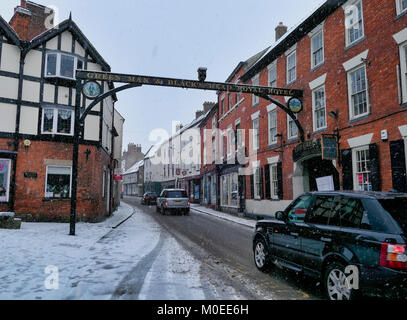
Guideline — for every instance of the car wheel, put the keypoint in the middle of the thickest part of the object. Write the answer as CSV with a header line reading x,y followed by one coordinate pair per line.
x,y
336,283
261,255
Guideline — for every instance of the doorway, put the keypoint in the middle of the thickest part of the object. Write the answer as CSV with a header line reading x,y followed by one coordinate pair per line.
x,y
316,168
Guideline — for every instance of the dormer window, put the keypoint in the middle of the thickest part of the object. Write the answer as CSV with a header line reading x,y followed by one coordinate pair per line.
x,y
62,65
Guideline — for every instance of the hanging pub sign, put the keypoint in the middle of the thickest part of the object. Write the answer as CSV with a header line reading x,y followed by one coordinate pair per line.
x,y
329,147
91,90
295,105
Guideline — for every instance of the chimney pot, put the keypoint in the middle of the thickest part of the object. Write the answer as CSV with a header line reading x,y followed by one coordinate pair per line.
x,y
280,30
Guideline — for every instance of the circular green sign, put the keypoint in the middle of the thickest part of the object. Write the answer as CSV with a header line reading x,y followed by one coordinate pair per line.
x,y
91,90
295,105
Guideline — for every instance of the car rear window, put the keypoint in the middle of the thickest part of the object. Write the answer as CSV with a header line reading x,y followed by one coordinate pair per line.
x,y
177,194
397,209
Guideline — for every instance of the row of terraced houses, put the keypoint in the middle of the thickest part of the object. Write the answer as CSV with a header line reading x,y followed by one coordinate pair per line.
x,y
350,59
37,94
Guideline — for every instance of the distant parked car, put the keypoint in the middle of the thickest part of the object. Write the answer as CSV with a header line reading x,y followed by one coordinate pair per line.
x,y
173,200
149,198
325,235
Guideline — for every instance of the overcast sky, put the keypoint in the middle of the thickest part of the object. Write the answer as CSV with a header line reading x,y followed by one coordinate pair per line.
x,y
173,38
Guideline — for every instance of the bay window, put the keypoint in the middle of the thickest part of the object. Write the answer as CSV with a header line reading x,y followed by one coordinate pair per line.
x,y
62,65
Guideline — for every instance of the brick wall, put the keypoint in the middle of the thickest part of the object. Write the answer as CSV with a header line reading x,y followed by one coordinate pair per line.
x,y
30,202
380,24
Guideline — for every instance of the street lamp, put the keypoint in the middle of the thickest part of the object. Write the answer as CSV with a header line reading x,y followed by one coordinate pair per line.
x,y
202,74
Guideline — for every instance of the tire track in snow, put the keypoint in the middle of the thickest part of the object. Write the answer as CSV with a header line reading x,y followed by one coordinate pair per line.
x,y
130,287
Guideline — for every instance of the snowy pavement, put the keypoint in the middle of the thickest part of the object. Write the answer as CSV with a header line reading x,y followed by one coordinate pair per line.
x,y
137,260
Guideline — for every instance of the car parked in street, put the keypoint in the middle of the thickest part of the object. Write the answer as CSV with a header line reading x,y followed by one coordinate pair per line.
x,y
149,198
173,201
354,242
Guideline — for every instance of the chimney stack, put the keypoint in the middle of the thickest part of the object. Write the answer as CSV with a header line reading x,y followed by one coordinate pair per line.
x,y
198,114
29,20
280,30
208,106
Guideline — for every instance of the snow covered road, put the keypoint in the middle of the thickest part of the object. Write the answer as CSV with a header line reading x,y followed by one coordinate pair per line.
x,y
138,260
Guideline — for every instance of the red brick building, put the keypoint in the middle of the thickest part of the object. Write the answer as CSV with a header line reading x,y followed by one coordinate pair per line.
x,y
37,101
349,58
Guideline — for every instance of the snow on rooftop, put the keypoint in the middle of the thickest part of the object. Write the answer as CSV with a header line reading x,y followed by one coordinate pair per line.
x,y
287,34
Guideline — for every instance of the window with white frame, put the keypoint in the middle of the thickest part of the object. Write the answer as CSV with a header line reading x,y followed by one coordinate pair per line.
x,y
256,82
57,121
213,149
401,6
354,22
5,167
257,179
256,137
222,104
358,92
403,71
62,65
231,142
292,67
292,129
273,75
58,182
230,101
361,169
274,181
319,108
272,117
317,49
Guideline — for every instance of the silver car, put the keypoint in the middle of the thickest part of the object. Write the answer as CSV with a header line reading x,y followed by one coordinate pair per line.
x,y
173,200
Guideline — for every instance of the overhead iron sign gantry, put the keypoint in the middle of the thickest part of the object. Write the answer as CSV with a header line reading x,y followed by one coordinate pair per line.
x,y
87,83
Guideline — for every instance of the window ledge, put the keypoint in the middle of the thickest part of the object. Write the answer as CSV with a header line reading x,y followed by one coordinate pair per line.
x,y
290,83
401,14
318,66
292,139
353,120
355,43
319,131
55,199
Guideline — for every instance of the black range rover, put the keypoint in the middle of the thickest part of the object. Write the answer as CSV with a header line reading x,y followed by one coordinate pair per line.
x,y
325,235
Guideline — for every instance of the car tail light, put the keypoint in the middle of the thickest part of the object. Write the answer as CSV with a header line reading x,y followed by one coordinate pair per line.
x,y
393,256
146,198
189,203
166,204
